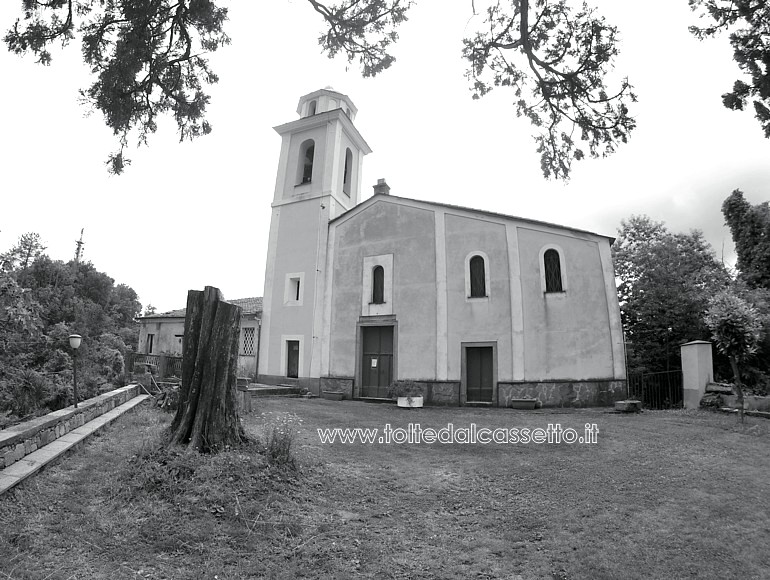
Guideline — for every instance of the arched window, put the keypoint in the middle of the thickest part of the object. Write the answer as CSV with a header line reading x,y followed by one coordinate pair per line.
x,y
478,277
347,171
305,170
311,108
378,285
552,268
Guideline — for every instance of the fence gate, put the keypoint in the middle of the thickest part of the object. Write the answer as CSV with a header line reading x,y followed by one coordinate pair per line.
x,y
657,390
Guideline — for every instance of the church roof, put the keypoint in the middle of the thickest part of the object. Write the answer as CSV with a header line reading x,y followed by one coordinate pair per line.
x,y
387,197
248,305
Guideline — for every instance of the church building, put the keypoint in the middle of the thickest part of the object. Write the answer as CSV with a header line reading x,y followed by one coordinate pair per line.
x,y
475,306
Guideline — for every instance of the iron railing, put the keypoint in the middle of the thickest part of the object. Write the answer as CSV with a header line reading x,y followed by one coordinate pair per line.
x,y
661,390
162,365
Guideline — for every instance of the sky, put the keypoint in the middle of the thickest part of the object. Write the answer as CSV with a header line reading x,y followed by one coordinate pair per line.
x,y
187,215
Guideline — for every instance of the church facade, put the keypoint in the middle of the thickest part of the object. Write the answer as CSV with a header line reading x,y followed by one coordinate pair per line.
x,y
476,307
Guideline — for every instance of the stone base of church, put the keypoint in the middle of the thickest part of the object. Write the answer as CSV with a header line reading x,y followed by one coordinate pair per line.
x,y
311,384
596,393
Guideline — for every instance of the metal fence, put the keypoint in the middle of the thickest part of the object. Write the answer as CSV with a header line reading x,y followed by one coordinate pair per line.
x,y
657,390
161,365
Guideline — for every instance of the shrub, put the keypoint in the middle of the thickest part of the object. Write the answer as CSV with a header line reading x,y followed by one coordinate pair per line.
x,y
405,388
24,392
278,438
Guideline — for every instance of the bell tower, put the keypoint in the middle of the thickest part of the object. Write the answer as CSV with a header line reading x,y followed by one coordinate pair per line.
x,y
319,178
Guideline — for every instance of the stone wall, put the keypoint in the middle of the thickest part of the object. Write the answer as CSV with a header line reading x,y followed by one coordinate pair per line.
x,y
750,402
338,384
564,394
24,438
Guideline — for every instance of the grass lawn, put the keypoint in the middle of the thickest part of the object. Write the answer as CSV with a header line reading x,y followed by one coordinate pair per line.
x,y
665,494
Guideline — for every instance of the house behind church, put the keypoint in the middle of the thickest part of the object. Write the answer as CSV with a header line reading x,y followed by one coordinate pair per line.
x,y
164,334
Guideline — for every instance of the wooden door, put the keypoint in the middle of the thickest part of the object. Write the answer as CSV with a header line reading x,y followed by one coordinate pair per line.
x,y
292,358
377,360
478,373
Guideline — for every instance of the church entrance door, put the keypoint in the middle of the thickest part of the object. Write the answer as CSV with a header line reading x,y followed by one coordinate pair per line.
x,y
377,361
479,373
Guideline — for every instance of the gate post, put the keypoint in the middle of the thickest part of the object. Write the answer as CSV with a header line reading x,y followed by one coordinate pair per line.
x,y
697,371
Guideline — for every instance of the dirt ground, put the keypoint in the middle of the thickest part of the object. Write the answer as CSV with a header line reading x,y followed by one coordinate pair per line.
x,y
665,494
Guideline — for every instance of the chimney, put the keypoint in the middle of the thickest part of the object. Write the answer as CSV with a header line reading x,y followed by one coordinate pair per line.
x,y
382,187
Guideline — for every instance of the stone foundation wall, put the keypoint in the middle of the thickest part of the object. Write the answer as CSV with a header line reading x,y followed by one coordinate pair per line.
x,y
599,393
441,393
24,438
313,385
338,384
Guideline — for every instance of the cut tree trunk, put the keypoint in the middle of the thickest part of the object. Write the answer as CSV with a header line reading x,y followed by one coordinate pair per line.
x,y
207,418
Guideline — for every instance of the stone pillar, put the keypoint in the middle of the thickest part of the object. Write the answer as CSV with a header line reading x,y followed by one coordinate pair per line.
x,y
697,371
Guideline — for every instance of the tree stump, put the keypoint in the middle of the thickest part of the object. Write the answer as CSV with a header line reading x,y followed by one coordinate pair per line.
x,y
207,417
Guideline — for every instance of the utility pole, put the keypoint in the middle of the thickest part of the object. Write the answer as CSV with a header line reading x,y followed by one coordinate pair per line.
x,y
79,247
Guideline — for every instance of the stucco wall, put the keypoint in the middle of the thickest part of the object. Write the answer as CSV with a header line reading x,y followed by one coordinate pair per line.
x,y
318,135
566,335
477,319
298,246
408,234
165,331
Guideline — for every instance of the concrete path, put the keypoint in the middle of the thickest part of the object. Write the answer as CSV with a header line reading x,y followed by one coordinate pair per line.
x,y
35,461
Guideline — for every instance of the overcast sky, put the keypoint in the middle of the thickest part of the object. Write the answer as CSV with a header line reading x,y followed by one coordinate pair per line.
x,y
193,214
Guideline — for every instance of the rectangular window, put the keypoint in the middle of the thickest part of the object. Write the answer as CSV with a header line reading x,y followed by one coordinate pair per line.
x,y
149,344
293,289
247,341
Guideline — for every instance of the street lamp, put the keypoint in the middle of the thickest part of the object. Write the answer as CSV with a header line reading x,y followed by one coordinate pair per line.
x,y
75,340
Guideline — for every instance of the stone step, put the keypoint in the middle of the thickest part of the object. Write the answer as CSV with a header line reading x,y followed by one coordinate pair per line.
x,y
35,461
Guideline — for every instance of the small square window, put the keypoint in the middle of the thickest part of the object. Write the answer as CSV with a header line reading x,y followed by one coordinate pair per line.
x,y
294,290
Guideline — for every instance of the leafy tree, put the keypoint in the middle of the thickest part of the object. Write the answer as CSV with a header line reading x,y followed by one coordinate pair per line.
x,y
148,58
665,281
736,328
27,250
749,21
750,228
40,306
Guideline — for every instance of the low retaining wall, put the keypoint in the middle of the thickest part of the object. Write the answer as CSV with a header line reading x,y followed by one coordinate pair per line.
x,y
24,438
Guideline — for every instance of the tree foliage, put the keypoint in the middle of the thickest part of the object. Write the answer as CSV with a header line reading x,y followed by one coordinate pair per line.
x,y
27,249
750,228
557,56
749,24
736,327
147,56
665,282
42,302
557,61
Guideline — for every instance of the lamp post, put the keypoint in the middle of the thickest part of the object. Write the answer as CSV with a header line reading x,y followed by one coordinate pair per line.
x,y
75,340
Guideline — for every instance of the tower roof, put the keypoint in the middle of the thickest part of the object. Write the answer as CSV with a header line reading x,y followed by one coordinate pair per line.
x,y
326,99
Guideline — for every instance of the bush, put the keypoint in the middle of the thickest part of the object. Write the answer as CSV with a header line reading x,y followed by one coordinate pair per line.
x,y
404,388
278,437
24,392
